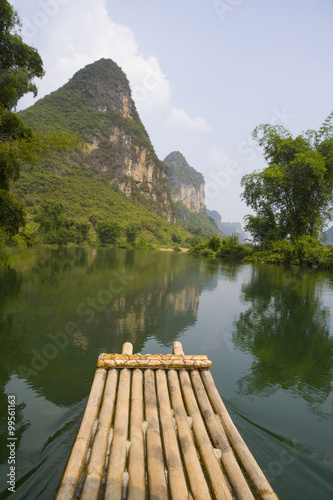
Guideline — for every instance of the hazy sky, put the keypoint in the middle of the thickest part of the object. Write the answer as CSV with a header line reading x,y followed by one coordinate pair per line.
x,y
203,73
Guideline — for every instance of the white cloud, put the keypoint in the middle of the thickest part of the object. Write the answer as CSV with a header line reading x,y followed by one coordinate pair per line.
x,y
218,156
178,117
75,33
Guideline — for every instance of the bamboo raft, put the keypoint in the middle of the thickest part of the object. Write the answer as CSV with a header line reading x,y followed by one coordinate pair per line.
x,y
155,427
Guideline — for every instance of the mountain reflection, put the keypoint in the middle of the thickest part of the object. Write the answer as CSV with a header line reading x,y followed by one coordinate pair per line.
x,y
286,329
74,304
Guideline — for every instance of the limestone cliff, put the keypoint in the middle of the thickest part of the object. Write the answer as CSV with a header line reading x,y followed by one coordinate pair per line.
x,y
97,104
186,184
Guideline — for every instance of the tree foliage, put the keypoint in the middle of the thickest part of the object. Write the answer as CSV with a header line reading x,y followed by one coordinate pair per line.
x,y
56,228
293,196
131,234
19,63
108,232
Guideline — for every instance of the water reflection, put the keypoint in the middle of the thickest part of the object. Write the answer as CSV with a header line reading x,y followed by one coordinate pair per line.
x,y
71,305
10,281
287,330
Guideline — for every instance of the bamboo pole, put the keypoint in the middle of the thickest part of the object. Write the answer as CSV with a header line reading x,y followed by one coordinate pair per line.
x,y
96,465
261,486
230,464
154,362
118,453
75,465
162,357
156,475
196,478
213,469
177,349
177,482
136,460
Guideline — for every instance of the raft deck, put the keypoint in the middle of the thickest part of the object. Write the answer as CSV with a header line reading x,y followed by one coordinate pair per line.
x,y
155,427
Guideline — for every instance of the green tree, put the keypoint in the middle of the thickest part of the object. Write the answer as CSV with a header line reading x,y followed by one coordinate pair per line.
x,y
108,232
19,65
56,228
293,196
131,234
214,243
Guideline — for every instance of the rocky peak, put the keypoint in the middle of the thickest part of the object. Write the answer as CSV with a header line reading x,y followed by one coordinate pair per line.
x,y
104,87
186,184
97,104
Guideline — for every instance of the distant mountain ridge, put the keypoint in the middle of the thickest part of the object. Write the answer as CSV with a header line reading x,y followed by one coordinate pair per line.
x,y
213,214
230,228
187,187
329,234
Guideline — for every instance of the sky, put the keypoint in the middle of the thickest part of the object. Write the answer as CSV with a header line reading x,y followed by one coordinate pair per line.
x,y
203,73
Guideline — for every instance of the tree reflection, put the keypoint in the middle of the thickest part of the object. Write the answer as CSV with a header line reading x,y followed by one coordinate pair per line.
x,y
287,330
10,285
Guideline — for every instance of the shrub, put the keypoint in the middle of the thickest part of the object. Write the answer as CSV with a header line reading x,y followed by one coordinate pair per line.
x,y
108,232
131,234
214,243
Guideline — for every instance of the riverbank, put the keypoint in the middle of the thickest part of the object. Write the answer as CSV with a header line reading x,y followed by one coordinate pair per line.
x,y
305,251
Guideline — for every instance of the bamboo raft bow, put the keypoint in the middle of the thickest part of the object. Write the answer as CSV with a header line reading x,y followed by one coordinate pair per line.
x,y
156,427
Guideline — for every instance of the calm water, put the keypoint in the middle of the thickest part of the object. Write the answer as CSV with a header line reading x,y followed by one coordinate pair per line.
x,y
268,331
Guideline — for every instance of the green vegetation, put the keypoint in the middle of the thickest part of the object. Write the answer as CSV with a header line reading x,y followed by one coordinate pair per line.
x,y
93,200
227,248
56,228
131,234
19,65
19,146
306,251
292,197
108,232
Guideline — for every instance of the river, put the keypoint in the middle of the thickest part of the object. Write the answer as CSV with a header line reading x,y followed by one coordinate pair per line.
x,y
267,329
